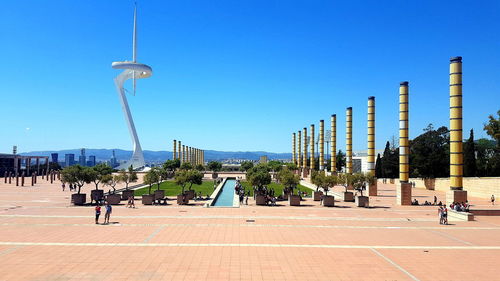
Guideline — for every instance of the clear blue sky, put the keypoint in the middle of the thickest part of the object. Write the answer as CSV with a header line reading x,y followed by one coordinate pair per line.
x,y
239,75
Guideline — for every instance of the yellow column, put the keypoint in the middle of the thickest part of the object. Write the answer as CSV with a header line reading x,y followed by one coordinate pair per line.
x,y
333,144
183,154
403,133
456,193
299,150
348,140
321,145
371,188
175,150
294,160
312,159
371,135
304,155
180,151
403,190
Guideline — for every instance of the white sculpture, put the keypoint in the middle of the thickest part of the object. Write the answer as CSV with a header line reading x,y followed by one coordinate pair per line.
x,y
131,70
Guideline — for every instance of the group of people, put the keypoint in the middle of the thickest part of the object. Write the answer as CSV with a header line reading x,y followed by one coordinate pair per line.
x,y
443,215
460,207
72,187
427,203
107,215
240,190
200,197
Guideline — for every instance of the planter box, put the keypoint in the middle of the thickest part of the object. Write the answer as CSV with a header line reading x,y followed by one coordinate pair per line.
x,y
147,199
126,194
329,201
96,194
362,201
260,200
294,200
159,194
317,195
189,194
79,199
113,199
348,196
180,201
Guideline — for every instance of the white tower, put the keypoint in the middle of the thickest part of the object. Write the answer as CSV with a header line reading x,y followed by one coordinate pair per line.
x,y
131,70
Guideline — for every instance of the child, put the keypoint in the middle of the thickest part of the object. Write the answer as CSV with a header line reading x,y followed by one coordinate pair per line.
x,y
97,213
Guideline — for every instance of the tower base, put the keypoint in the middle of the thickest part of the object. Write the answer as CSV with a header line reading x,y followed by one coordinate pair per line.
x,y
456,196
403,194
372,189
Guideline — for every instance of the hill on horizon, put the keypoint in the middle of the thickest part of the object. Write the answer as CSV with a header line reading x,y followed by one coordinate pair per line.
x,y
159,156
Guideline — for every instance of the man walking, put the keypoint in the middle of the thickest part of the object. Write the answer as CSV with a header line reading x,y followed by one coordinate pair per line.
x,y
109,209
97,213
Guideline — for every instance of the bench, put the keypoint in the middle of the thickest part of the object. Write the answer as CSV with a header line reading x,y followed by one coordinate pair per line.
x,y
462,216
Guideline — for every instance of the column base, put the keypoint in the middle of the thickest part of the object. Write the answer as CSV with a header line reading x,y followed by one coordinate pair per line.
x,y
372,189
403,194
456,196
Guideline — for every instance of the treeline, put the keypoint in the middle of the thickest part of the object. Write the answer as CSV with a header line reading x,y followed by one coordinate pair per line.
x,y
430,154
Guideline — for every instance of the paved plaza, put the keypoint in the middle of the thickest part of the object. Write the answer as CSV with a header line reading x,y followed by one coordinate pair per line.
x,y
42,237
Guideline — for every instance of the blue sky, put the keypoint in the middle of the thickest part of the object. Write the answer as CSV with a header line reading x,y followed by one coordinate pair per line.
x,y
239,75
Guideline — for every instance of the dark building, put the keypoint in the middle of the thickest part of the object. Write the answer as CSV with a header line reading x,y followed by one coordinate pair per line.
x,y
91,162
55,157
16,164
69,159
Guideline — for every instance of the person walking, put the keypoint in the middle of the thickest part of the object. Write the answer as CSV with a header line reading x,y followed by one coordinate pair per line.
x,y
492,199
97,213
109,209
445,215
63,186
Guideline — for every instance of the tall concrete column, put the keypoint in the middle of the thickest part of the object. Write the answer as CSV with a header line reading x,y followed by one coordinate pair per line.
x,y
299,150
456,192
179,155
294,159
333,144
189,155
183,154
403,190
348,140
175,150
372,188
304,160
321,145
312,159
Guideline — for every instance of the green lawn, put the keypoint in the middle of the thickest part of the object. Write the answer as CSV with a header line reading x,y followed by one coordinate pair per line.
x,y
171,189
278,188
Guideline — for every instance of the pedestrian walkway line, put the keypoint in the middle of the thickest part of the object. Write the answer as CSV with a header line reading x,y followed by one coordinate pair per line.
x,y
401,247
233,217
395,264
152,235
450,237
254,225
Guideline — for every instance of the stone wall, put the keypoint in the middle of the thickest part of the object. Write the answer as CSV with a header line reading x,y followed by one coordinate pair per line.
x,y
482,187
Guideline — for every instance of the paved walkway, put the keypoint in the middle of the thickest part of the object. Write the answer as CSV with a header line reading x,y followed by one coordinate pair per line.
x,y
42,237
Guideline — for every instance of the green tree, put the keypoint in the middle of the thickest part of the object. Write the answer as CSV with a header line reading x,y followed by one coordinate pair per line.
x,y
171,165
492,128
275,166
288,179
76,174
429,153
150,178
470,156
186,166
112,181
246,165
99,172
318,179
190,177
340,161
200,167
128,176
214,166
378,167
259,175
345,180
390,162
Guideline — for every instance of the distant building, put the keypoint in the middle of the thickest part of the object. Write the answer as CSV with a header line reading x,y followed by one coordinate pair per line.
x,y
91,162
263,160
69,159
55,157
113,161
82,159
